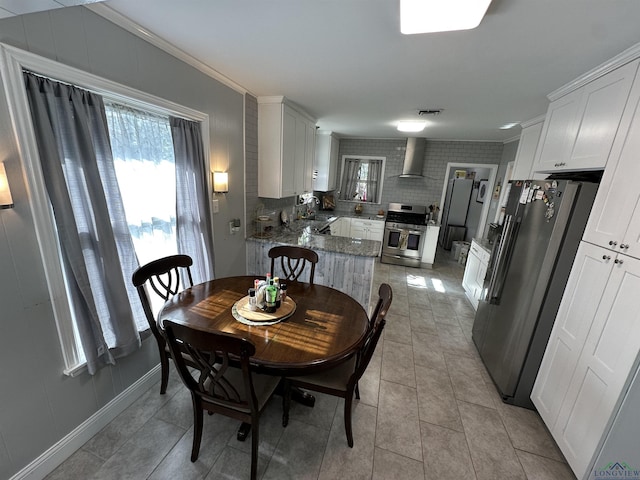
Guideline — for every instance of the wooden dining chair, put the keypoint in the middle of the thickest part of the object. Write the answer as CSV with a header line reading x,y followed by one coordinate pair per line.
x,y
342,381
165,276
385,296
293,261
217,386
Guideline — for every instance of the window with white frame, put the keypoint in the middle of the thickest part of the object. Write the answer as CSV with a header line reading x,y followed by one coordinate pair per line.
x,y
142,148
361,178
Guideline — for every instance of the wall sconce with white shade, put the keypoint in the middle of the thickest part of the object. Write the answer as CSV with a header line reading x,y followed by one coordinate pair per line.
x,y
5,192
220,182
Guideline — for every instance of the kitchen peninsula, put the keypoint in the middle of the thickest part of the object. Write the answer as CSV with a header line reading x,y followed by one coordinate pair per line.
x,y
344,263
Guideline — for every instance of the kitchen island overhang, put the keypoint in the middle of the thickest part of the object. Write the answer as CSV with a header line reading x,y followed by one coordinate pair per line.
x,y
344,263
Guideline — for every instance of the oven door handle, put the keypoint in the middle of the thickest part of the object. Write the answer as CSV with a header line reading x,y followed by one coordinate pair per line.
x,y
408,230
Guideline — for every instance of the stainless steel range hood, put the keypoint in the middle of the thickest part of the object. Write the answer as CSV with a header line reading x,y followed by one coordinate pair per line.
x,y
414,158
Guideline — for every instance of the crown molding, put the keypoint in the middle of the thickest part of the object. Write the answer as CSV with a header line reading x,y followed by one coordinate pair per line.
x,y
622,58
141,32
533,121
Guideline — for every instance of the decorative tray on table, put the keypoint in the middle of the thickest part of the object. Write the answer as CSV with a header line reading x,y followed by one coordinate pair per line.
x,y
243,314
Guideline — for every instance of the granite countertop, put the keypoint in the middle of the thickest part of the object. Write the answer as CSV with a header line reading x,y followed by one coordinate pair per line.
x,y
304,233
483,243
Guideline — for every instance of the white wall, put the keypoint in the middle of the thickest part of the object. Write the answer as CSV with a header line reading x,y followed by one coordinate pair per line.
x,y
39,405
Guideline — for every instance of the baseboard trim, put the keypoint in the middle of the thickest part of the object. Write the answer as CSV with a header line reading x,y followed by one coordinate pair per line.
x,y
63,449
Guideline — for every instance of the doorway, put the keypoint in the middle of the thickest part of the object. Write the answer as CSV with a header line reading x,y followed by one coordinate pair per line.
x,y
483,178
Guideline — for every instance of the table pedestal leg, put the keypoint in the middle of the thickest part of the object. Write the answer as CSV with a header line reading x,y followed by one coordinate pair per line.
x,y
243,431
302,397
297,394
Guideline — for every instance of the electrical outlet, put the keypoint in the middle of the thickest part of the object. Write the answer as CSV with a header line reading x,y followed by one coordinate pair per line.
x,y
216,205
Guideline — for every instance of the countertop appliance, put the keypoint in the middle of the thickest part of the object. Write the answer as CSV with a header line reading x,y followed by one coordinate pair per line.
x,y
544,222
454,215
404,234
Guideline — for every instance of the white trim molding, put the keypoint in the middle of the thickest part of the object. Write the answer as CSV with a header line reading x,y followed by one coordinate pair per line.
x,y
619,60
139,31
65,447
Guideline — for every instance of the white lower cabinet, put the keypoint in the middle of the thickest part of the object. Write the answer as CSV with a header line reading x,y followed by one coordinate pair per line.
x,y
591,353
341,227
430,245
367,229
474,273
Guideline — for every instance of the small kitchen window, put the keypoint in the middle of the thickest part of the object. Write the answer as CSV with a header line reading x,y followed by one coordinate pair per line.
x,y
361,178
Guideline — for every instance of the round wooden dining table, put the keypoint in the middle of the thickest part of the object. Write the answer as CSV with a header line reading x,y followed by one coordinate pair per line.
x,y
326,328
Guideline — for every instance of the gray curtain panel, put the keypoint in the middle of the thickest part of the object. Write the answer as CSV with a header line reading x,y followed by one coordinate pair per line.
x,y
193,223
373,180
75,155
349,181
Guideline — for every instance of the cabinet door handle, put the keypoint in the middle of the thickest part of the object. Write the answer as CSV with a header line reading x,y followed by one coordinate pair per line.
x,y
606,257
624,246
612,243
619,262
561,164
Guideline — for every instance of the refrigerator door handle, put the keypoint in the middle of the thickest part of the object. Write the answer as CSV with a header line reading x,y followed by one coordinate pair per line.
x,y
502,260
498,255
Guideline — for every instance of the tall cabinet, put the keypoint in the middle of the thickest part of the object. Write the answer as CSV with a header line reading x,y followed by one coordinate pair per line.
x,y
594,348
286,147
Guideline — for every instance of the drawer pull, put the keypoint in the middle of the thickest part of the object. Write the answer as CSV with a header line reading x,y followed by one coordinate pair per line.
x,y
624,246
612,243
619,262
606,257
561,164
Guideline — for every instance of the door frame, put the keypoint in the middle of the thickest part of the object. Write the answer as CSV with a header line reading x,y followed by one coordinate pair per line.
x,y
493,171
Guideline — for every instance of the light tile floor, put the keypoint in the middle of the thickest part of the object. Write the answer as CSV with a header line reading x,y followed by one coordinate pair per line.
x,y
428,410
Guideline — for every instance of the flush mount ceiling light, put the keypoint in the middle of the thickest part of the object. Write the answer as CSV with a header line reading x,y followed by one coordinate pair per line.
x,y
411,125
425,16
507,126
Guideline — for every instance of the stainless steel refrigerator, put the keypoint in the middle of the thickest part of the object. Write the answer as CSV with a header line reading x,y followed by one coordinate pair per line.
x,y
456,207
529,268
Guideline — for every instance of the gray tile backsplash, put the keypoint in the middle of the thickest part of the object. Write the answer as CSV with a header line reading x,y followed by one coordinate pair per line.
x,y
421,191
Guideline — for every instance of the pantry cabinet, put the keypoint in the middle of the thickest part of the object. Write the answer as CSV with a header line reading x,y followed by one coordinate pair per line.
x,y
615,217
286,147
325,162
580,127
591,352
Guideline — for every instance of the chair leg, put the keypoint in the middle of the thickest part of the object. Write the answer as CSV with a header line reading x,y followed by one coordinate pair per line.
x,y
348,402
286,402
164,367
197,428
255,442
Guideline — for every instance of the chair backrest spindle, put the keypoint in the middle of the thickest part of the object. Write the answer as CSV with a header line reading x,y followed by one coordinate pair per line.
x,y
293,261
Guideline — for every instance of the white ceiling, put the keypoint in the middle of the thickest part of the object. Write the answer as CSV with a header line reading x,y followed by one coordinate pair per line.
x,y
348,65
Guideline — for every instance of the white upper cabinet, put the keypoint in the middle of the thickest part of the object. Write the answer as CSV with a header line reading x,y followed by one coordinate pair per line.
x,y
286,147
325,163
580,127
529,138
614,222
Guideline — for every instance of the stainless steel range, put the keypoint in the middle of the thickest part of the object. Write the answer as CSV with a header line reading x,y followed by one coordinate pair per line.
x,y
404,234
